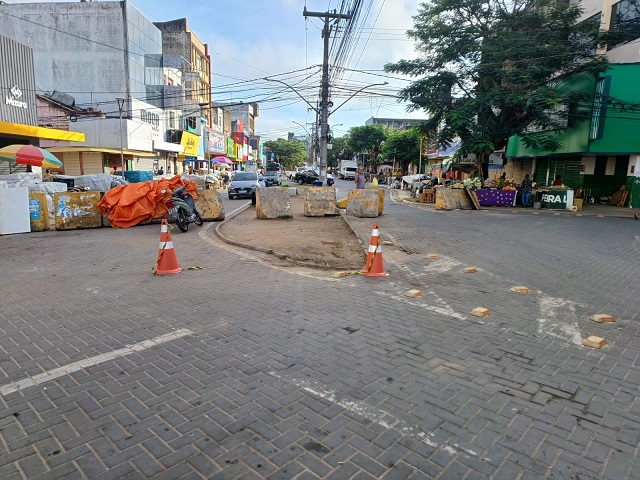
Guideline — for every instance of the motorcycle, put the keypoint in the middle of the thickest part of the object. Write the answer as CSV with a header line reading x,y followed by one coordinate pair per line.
x,y
184,207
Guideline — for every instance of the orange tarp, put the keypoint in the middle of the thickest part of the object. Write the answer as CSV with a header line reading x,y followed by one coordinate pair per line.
x,y
129,205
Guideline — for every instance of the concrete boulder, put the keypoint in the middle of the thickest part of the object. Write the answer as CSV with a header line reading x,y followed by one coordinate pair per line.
x,y
452,199
363,203
320,201
272,202
209,205
77,210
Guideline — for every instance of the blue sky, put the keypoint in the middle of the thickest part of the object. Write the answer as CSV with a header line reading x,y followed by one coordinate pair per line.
x,y
252,39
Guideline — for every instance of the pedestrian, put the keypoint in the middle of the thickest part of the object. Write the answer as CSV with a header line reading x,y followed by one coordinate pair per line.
x,y
160,171
558,181
360,179
526,190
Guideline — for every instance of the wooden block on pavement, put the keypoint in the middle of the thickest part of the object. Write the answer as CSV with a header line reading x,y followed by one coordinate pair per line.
x,y
594,342
601,318
480,312
470,270
412,293
519,289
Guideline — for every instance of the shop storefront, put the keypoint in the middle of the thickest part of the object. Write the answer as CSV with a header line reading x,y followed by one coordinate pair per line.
x,y
18,106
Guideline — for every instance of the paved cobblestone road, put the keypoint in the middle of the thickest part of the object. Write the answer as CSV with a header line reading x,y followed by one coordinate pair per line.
x,y
241,370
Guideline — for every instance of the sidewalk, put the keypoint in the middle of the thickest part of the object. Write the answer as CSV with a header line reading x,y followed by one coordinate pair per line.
x,y
589,210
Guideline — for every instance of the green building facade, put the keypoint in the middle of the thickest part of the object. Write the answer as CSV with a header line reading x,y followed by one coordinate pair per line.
x,y
601,145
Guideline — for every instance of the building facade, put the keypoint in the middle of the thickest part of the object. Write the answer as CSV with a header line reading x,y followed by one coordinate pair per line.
x,y
600,148
19,105
107,55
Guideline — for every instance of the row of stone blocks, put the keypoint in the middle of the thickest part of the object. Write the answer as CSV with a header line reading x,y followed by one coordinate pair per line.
x,y
79,210
318,202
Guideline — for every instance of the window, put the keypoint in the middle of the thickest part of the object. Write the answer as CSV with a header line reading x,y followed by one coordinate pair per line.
x,y
625,15
599,113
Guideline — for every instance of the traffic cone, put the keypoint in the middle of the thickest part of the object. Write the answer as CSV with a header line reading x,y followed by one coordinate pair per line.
x,y
375,265
167,261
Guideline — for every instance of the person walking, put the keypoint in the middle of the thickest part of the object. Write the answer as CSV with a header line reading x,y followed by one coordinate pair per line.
x,y
526,190
361,179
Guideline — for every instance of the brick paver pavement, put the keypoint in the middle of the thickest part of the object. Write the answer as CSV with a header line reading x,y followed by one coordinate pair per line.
x,y
260,372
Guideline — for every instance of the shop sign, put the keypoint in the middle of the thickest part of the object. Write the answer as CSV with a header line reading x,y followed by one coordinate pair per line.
x,y
554,200
190,143
217,143
13,98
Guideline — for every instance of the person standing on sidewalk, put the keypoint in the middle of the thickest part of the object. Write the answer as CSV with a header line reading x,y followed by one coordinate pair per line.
x,y
526,190
361,179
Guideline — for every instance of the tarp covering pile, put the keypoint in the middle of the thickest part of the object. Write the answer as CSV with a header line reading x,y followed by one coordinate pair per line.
x,y
129,205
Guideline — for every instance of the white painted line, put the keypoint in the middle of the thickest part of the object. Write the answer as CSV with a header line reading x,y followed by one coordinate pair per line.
x,y
558,318
443,308
377,415
88,362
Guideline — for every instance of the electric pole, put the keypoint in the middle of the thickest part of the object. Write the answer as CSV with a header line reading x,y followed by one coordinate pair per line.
x,y
324,102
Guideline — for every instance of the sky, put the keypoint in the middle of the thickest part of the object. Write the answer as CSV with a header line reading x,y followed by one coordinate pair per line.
x,y
253,39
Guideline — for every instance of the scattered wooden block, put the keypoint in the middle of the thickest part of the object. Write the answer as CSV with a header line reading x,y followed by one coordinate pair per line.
x,y
412,293
387,243
433,255
594,342
479,312
339,274
601,318
519,289
470,270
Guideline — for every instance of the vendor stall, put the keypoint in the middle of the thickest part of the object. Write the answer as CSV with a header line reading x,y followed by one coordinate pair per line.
x,y
496,198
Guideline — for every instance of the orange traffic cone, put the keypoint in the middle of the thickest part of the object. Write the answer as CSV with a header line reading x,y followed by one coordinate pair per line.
x,y
167,260
375,265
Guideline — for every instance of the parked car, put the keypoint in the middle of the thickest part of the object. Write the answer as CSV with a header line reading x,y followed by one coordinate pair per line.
x,y
244,185
272,178
310,176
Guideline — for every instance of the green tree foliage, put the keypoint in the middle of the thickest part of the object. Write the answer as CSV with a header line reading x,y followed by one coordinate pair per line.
x,y
404,147
339,151
367,138
490,69
287,152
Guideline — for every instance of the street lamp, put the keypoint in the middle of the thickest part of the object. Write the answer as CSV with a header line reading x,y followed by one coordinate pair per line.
x,y
309,143
120,107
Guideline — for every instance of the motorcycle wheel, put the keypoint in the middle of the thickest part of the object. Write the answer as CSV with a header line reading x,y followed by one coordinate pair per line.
x,y
181,221
198,219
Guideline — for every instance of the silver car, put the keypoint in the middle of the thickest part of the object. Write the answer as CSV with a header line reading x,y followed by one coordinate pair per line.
x,y
244,185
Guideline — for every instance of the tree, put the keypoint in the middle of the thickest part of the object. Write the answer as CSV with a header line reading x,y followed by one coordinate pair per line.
x,y
339,151
367,138
403,147
287,152
492,69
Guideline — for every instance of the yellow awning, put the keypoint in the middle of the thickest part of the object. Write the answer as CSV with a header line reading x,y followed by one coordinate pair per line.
x,y
19,129
135,153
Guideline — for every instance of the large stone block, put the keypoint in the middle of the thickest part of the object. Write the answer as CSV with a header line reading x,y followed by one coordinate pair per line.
x,y
363,203
77,210
380,198
38,212
452,199
209,205
273,202
320,201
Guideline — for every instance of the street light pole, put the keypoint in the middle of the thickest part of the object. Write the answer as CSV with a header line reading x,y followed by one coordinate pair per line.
x,y
120,107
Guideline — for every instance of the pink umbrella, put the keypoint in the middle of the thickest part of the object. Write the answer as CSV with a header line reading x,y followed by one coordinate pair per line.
x,y
226,160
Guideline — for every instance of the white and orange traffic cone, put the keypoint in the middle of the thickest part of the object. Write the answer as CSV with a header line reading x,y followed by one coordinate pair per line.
x,y
167,261
375,265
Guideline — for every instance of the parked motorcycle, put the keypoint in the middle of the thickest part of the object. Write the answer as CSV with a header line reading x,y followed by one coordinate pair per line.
x,y
183,205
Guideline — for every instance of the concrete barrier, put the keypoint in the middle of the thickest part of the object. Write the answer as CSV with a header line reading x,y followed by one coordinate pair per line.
x,y
209,205
452,199
320,201
38,212
273,202
77,210
363,203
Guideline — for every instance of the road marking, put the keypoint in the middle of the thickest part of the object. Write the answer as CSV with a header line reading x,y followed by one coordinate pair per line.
x,y
443,308
377,415
558,318
89,362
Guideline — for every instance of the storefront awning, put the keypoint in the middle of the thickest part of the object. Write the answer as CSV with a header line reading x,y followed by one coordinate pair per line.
x,y
167,147
134,153
21,130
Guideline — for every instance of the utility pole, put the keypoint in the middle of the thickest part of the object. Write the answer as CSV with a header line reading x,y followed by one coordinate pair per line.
x,y
324,102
